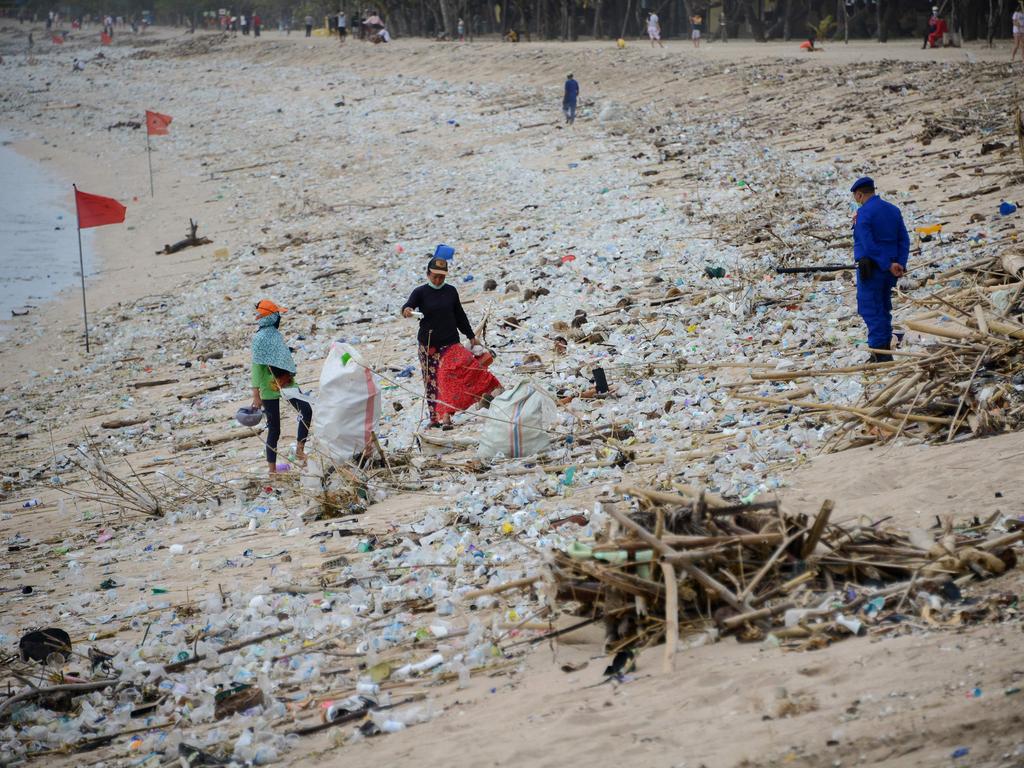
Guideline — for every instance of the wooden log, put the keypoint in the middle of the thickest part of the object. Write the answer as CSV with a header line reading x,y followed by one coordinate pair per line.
x,y
1013,263
154,383
863,412
762,613
118,423
177,666
35,693
813,372
818,528
747,539
498,588
1001,541
202,391
224,437
945,330
671,617
709,582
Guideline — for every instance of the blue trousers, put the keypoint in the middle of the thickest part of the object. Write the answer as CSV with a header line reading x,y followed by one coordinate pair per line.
x,y
569,107
874,305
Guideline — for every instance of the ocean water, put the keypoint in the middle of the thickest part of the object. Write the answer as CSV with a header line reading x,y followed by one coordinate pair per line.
x,y
38,237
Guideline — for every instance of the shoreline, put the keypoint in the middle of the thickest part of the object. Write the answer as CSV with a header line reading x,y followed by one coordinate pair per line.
x,y
37,291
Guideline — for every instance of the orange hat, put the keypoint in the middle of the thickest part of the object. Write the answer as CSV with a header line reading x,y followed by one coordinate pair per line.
x,y
267,307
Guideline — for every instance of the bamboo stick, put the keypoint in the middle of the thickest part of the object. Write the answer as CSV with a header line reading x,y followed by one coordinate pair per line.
x,y
707,581
671,617
818,528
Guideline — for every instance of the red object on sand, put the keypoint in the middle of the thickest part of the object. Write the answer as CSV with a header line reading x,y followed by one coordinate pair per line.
x,y
97,211
58,39
462,380
940,30
157,124
105,39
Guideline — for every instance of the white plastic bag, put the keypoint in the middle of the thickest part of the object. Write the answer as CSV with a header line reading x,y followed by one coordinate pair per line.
x,y
348,407
517,423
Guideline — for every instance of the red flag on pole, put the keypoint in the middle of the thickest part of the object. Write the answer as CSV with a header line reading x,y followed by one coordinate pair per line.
x,y
157,124
105,39
96,210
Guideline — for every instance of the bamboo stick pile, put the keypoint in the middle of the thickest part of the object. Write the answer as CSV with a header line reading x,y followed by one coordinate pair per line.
x,y
962,378
695,562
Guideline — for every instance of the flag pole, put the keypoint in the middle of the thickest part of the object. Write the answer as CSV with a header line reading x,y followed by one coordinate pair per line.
x,y
81,267
149,156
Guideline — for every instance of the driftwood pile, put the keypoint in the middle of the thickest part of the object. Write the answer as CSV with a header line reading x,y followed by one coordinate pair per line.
x,y
694,562
963,378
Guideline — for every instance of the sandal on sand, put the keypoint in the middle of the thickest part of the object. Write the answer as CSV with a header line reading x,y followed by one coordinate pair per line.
x,y
447,427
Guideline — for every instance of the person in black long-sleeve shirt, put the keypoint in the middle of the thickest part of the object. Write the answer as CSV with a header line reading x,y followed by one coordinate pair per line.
x,y
443,319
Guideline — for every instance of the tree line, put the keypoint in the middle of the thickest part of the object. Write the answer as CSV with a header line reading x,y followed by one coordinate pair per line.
x,y
725,20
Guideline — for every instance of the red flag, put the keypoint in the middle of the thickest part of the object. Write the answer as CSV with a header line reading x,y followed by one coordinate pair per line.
x,y
105,39
58,39
96,210
157,124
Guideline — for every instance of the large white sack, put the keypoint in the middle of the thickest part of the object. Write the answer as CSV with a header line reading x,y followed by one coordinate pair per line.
x,y
348,407
517,422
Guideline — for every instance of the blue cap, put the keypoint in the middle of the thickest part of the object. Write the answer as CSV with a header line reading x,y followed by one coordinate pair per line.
x,y
445,252
863,181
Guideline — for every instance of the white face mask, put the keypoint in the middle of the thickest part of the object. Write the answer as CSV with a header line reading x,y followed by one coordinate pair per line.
x,y
435,287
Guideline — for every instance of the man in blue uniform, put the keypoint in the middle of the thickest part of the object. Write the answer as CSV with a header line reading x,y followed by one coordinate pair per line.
x,y
881,247
572,92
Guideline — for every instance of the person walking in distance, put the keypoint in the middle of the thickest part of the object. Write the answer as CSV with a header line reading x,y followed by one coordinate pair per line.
x,y
654,29
569,98
342,27
309,26
1018,32
881,247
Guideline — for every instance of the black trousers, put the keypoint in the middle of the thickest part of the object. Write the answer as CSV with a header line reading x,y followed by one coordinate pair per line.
x,y
272,408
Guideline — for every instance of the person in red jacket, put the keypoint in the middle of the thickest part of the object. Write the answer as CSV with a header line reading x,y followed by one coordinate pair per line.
x,y
936,37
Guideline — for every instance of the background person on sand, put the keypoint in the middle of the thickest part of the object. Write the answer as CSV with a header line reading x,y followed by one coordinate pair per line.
x,y
257,22
881,247
309,26
443,319
654,29
273,368
569,98
342,26
929,29
696,27
1018,32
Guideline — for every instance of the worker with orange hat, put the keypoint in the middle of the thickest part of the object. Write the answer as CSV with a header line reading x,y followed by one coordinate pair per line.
x,y
273,369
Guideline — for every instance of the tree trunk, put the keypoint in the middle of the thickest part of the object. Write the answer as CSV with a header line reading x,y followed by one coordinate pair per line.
x,y
753,20
597,20
787,27
625,18
449,17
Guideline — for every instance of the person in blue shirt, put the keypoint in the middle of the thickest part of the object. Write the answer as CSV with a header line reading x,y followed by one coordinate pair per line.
x,y
881,247
572,92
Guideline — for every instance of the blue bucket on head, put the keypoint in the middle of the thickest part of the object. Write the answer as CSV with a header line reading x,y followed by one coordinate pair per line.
x,y
445,252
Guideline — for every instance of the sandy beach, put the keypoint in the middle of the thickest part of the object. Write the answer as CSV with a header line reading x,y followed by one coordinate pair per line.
x,y
329,173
